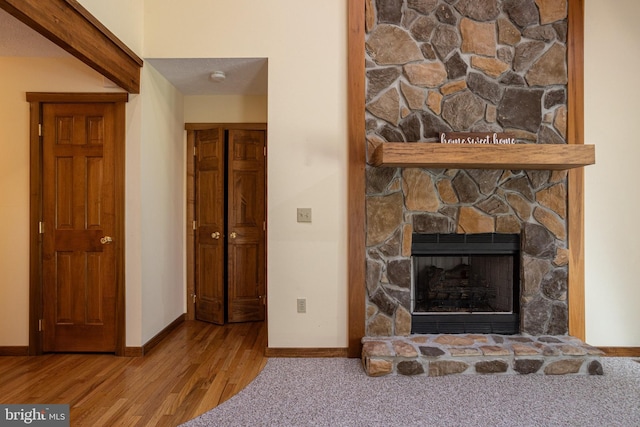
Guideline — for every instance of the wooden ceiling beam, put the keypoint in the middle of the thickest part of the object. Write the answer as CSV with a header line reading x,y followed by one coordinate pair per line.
x,y
70,26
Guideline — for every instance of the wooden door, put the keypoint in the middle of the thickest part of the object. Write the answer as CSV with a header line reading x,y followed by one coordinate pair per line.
x,y
229,197
210,230
246,225
79,221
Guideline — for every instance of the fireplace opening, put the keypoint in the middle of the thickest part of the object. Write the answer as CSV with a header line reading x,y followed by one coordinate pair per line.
x,y
465,283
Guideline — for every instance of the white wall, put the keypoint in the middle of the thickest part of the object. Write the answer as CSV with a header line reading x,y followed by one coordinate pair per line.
x,y
305,43
163,200
21,75
225,109
124,18
612,202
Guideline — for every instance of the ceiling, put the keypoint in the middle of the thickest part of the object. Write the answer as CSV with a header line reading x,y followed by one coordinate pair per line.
x,y
244,76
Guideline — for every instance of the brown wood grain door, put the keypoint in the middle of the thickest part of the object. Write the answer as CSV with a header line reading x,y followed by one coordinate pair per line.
x,y
78,255
229,210
210,230
246,225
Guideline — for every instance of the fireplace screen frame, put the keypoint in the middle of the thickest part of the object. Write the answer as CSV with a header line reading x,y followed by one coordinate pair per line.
x,y
460,245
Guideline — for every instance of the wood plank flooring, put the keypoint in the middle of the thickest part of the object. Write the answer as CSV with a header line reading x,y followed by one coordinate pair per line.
x,y
197,367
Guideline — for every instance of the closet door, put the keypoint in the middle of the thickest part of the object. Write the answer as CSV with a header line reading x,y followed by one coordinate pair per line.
x,y
209,234
246,225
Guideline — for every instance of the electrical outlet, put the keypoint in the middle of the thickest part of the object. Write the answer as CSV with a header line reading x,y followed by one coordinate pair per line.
x,y
304,214
302,305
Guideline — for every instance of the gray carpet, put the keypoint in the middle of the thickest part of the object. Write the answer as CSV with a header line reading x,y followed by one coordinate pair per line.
x,y
336,392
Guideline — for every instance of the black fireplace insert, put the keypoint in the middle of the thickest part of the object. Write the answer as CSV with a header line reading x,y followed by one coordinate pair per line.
x,y
466,283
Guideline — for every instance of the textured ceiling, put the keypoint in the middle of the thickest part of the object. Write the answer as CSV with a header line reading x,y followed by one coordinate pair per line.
x,y
245,76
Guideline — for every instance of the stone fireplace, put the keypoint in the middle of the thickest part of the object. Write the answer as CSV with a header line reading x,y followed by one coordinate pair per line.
x,y
437,66
478,66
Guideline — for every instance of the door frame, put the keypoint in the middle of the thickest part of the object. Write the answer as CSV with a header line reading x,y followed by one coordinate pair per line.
x,y
36,101
191,128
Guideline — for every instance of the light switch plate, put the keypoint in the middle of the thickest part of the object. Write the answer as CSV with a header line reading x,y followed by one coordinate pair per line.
x,y
304,214
301,305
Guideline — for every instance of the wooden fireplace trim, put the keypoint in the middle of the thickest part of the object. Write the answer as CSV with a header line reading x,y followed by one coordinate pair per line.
x,y
575,190
357,16
356,232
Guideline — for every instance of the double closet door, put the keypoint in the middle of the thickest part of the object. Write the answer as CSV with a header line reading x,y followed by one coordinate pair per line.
x,y
229,224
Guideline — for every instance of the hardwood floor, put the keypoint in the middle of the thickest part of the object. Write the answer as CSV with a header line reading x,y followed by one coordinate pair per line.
x,y
197,367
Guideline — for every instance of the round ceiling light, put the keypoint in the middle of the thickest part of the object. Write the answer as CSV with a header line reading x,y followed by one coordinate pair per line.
x,y
217,76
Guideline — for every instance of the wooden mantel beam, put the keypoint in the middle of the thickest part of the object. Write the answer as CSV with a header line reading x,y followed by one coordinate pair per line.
x,y
70,26
483,156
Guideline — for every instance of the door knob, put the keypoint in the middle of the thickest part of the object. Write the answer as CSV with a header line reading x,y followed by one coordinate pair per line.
x,y
215,235
106,240
233,235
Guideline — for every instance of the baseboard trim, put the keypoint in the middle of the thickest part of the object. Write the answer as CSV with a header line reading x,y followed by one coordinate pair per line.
x,y
133,352
621,351
306,352
14,351
157,339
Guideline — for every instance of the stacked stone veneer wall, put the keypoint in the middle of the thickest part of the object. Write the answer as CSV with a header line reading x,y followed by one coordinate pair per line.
x,y
466,65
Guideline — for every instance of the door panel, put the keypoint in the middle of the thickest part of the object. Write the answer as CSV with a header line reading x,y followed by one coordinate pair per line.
x,y
209,236
79,271
245,223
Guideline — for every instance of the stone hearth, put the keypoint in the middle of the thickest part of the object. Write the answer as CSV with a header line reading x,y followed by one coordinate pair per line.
x,y
438,355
